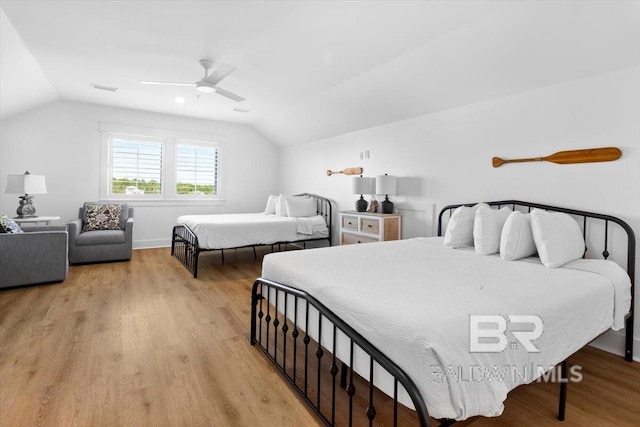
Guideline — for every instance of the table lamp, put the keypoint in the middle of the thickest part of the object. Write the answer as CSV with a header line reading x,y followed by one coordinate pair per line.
x,y
386,184
362,185
26,184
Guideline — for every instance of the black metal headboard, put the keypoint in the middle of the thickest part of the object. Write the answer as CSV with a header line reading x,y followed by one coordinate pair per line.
x,y
586,216
323,207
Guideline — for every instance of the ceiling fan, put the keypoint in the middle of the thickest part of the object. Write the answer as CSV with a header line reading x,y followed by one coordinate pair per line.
x,y
209,82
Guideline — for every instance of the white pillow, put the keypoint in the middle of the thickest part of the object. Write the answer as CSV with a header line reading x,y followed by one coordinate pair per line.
x,y
558,237
459,232
301,207
281,205
516,241
487,229
271,205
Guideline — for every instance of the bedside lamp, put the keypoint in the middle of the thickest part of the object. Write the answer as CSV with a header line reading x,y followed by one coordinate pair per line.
x,y
362,185
386,184
26,184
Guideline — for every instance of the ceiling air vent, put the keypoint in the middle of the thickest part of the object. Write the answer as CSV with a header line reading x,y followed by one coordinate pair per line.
x,y
102,87
241,110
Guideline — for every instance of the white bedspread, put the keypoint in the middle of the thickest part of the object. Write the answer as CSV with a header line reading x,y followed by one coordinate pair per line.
x,y
224,231
412,299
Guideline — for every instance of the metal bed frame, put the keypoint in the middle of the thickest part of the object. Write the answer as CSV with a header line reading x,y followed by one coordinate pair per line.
x,y
185,246
269,323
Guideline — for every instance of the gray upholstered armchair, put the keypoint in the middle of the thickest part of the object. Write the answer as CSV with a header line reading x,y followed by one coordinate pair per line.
x,y
101,245
38,255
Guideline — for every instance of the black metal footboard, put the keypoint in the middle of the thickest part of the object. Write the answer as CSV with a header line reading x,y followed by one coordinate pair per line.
x,y
306,340
185,247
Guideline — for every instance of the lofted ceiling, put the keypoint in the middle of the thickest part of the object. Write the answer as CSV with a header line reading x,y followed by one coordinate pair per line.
x,y
308,69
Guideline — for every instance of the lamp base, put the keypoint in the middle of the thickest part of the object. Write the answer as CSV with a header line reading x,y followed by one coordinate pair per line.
x,y
361,204
26,209
386,206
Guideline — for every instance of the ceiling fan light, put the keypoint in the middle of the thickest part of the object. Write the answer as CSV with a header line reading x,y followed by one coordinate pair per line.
x,y
205,87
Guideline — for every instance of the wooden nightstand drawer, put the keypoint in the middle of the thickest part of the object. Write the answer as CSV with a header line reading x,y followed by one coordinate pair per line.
x,y
370,226
350,239
350,222
366,227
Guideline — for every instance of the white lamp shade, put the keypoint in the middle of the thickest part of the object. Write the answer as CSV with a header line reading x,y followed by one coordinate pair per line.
x,y
362,185
26,184
386,184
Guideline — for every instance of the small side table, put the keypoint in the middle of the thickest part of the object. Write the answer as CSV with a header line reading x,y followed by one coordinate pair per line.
x,y
366,227
35,220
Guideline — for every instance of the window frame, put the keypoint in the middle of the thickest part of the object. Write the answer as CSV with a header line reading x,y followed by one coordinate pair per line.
x,y
170,140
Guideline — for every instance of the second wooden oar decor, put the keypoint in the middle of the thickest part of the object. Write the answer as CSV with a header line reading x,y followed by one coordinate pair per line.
x,y
589,155
347,171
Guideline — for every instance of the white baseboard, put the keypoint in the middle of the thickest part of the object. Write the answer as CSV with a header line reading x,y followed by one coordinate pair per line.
x,y
613,342
152,243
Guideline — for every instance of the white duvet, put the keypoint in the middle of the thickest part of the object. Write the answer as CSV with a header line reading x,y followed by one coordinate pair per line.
x,y
412,299
224,231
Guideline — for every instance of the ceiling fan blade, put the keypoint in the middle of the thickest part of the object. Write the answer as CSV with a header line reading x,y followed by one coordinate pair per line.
x,y
220,73
228,94
167,83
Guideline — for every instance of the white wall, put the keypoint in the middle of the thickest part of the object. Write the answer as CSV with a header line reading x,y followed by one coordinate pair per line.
x,y
445,157
61,140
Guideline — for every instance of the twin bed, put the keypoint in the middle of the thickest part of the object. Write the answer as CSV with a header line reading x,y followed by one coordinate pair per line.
x,y
398,315
200,233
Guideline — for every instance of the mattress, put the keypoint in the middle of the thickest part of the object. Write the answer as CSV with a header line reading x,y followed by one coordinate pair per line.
x,y
226,231
413,299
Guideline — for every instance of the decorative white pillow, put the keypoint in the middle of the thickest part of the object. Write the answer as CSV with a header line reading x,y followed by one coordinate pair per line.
x,y
281,205
459,232
487,229
271,205
558,237
298,207
516,241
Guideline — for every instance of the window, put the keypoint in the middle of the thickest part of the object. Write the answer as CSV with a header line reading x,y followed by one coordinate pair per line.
x,y
156,165
196,169
136,166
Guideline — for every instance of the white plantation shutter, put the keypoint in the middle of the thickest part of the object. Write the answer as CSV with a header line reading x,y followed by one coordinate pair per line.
x,y
136,166
197,169
157,166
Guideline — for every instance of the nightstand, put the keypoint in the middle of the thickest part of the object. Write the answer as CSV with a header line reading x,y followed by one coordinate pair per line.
x,y
367,227
36,219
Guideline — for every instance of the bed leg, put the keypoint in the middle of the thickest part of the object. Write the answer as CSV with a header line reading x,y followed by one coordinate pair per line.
x,y
255,298
344,370
563,391
628,348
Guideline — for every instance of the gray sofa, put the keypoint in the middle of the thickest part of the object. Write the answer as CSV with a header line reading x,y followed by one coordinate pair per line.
x,y
38,255
101,245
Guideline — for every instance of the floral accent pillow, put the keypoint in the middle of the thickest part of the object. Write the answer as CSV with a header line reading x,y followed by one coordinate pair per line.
x,y
7,225
101,217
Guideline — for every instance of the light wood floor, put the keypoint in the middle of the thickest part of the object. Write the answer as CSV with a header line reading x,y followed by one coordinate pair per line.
x,y
142,343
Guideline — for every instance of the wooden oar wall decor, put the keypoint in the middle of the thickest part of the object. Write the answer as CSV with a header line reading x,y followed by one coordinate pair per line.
x,y
347,171
606,154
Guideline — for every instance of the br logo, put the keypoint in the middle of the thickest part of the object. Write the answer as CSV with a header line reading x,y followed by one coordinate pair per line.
x,y
487,333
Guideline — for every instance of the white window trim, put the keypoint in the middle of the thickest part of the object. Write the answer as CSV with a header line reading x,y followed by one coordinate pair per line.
x,y
168,197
